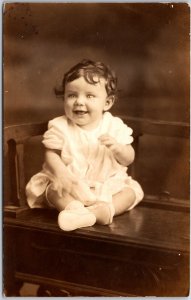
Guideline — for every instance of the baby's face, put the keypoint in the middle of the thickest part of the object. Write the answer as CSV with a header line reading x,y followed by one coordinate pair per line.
x,y
84,103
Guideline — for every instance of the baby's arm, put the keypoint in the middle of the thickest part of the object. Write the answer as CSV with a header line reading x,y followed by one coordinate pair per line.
x,y
65,180
124,154
56,166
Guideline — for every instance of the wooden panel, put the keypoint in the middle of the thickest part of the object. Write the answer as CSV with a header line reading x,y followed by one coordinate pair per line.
x,y
161,128
21,183
13,173
59,287
23,131
103,260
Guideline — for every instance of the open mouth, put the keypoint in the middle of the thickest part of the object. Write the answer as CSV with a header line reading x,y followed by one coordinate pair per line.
x,y
80,112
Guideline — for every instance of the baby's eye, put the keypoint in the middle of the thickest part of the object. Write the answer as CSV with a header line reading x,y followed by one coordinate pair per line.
x,y
71,96
90,96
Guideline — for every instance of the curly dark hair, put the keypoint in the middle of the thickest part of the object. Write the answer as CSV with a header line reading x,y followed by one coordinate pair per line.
x,y
92,73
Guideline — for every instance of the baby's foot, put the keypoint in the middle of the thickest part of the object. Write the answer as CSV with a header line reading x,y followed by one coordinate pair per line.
x,y
103,211
71,219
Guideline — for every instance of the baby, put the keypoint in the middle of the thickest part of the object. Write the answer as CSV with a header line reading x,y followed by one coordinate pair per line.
x,y
87,151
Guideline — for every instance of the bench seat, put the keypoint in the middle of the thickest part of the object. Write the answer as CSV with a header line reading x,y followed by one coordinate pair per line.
x,y
143,252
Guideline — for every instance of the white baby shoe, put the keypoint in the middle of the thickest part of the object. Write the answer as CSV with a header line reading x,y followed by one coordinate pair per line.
x,y
71,219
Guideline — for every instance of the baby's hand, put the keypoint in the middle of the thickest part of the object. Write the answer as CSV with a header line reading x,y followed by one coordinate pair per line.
x,y
64,184
82,192
109,142
124,154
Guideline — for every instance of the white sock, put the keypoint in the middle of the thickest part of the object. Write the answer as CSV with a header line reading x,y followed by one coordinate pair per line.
x,y
75,204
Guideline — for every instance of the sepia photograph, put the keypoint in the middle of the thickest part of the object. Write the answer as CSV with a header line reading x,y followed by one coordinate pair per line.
x,y
96,149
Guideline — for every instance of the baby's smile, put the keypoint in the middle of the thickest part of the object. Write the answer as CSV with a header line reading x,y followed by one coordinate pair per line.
x,y
84,103
80,112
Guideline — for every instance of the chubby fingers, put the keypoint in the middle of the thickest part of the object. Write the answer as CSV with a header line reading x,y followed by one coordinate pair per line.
x,y
107,140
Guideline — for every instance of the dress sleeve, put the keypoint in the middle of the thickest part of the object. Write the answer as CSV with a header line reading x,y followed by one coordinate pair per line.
x,y
53,138
124,133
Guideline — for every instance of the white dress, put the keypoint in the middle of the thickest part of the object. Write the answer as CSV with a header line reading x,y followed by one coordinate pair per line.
x,y
86,158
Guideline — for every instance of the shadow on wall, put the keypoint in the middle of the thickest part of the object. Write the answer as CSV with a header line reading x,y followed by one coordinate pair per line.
x,y
146,44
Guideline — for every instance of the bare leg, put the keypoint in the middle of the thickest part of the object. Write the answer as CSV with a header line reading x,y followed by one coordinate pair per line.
x,y
123,200
58,202
79,216
80,192
105,211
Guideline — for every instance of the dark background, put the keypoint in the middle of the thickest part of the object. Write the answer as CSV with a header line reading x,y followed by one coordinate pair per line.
x,y
146,44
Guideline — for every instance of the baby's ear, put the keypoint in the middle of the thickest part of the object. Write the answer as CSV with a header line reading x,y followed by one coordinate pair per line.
x,y
109,102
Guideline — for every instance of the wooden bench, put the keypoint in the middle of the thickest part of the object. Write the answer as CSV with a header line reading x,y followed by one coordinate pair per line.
x,y
144,252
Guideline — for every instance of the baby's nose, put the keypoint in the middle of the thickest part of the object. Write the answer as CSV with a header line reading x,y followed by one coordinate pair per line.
x,y
80,100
